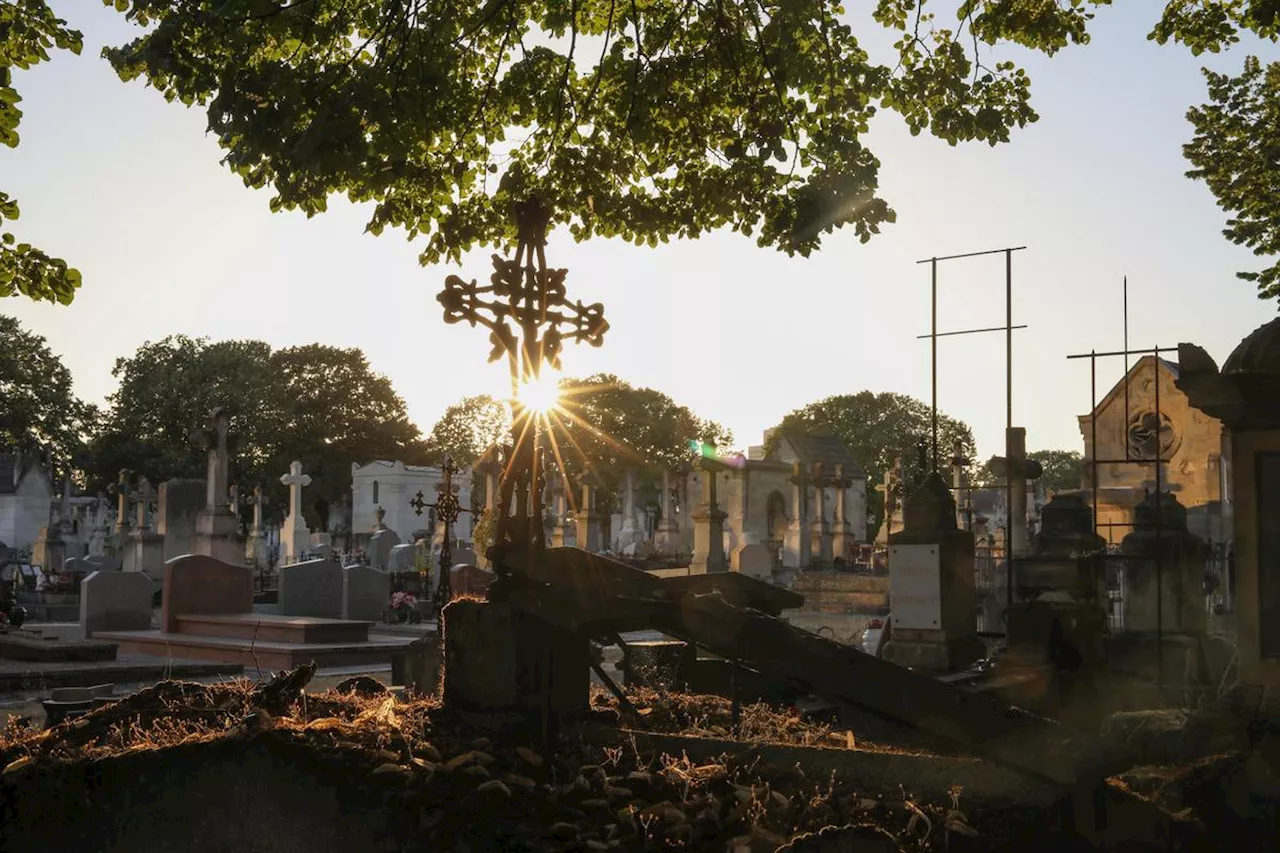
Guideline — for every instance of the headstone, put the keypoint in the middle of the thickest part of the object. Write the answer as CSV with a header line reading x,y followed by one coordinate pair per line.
x,y
294,534
667,538
755,561
197,584
819,531
81,566
49,551
365,593
105,563
796,546
217,530
177,505
255,549
401,558
115,601
146,547
311,588
465,556
588,517
708,524
380,545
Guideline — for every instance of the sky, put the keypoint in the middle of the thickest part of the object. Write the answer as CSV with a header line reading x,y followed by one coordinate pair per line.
x,y
128,189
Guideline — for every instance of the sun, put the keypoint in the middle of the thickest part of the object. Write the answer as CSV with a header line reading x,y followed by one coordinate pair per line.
x,y
541,394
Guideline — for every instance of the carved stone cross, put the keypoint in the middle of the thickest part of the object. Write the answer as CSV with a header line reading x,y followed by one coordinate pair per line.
x,y
121,489
215,443
295,480
142,518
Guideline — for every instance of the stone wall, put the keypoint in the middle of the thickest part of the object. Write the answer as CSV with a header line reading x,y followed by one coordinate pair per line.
x,y
842,592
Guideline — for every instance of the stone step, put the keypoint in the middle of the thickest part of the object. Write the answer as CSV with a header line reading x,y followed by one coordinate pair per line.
x,y
257,654
264,627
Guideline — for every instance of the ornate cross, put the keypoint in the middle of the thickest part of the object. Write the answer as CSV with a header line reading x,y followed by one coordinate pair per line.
x,y
529,318
295,480
447,510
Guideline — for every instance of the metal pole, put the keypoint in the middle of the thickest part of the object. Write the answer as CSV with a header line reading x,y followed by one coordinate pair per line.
x,y
1093,438
1159,538
1126,368
1008,336
934,358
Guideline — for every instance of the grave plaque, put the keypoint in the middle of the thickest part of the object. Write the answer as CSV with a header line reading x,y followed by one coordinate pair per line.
x,y
311,588
915,587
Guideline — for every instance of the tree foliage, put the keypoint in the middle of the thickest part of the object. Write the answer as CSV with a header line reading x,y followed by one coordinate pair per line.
x,y
468,428
1063,470
39,412
320,405
878,429
645,121
28,31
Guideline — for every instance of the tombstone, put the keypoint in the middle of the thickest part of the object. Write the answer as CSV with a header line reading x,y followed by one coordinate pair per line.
x,y
708,524
667,538
255,547
464,555
49,551
1019,470
402,558
932,592
1175,602
381,543
146,547
819,531
176,507
365,593
755,560
197,584
469,580
797,543
105,563
217,530
588,517
294,534
115,601
311,588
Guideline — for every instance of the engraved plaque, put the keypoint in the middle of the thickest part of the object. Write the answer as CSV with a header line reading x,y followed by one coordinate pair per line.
x,y
915,587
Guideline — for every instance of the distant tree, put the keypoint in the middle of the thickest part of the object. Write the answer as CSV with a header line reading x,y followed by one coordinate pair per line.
x,y
28,30
321,405
877,429
1063,470
468,428
606,425
39,412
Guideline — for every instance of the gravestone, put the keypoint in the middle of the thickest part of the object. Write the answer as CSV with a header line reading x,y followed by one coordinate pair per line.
x,y
105,563
365,593
115,601
469,580
311,588
197,584
754,560
401,559
380,545
294,535
465,556
177,505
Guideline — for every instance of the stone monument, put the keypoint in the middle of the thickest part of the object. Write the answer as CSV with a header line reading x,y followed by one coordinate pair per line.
x,y
294,535
931,585
216,528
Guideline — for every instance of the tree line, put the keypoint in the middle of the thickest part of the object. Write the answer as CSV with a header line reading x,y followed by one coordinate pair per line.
x,y
326,407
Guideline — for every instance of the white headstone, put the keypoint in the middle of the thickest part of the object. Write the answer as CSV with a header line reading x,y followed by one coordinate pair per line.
x,y
294,535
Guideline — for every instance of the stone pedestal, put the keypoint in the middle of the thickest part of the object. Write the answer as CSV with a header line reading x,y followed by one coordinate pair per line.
x,y
255,550
146,553
295,540
497,659
217,536
708,527
931,586
1164,579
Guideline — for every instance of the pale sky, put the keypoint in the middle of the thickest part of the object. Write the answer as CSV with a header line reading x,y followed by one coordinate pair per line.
x,y
128,189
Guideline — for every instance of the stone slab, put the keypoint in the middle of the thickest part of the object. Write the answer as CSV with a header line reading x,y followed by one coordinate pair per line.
x,y
259,655
115,601
311,588
24,676
31,647
196,584
365,593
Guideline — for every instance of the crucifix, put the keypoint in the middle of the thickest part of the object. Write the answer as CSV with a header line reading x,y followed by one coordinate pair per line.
x,y
215,442
447,510
295,480
121,490
143,508
524,291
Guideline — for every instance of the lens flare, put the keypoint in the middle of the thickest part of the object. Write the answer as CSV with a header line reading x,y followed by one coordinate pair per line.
x,y
541,394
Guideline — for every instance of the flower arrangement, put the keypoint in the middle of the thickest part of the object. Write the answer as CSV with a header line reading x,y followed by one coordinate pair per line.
x,y
403,601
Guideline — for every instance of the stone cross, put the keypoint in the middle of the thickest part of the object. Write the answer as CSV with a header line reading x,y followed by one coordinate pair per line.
x,y
122,500
1017,469
100,511
142,520
819,532
295,480
798,539
378,515
219,458
842,536
234,505
64,506
256,502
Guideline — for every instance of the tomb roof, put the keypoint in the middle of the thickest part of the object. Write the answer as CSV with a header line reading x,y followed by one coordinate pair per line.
x,y
827,449
1259,352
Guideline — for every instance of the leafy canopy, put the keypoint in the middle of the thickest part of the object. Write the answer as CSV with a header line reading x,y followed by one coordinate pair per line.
x,y
321,405
39,412
28,30
640,119
468,428
878,429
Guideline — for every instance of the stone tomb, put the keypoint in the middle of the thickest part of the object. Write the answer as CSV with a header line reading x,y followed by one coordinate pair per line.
x,y
207,615
311,588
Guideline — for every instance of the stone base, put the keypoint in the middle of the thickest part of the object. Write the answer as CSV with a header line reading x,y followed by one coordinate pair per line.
x,y
497,659
216,536
933,651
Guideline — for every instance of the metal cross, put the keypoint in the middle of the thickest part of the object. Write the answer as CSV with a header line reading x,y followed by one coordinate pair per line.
x,y
532,297
447,510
